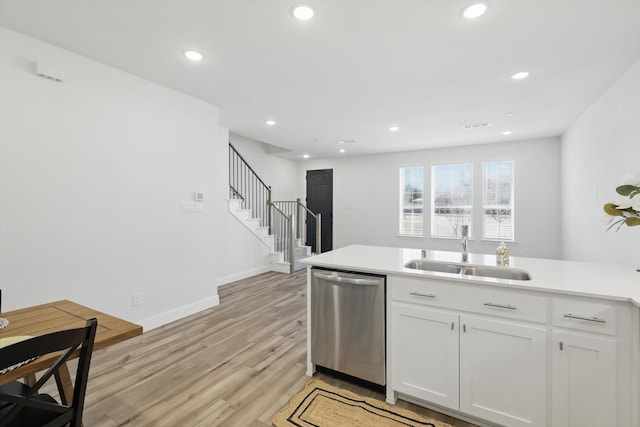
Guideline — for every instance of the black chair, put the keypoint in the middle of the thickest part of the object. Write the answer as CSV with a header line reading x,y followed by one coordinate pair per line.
x,y
24,406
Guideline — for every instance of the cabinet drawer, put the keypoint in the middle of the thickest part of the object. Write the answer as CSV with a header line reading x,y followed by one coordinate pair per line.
x,y
425,292
585,314
502,302
507,303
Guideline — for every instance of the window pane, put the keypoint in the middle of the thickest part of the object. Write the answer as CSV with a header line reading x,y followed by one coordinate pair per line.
x,y
411,184
452,197
497,200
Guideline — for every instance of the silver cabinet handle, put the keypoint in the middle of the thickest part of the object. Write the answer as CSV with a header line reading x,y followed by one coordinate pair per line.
x,y
588,319
507,306
418,294
347,280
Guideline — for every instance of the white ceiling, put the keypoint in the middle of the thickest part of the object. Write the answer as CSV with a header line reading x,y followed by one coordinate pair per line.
x,y
359,66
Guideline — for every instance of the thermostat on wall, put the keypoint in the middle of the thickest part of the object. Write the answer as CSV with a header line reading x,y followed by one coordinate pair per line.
x,y
198,196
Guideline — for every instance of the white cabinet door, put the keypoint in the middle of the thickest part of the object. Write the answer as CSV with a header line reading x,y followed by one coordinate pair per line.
x,y
584,381
503,371
425,354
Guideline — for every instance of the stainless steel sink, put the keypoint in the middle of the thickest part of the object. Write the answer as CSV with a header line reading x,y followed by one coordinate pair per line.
x,y
440,267
469,270
496,272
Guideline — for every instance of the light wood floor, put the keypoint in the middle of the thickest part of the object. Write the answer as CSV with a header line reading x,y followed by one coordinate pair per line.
x,y
233,365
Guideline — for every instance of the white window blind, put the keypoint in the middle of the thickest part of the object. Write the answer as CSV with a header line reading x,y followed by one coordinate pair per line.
x,y
411,189
451,198
497,200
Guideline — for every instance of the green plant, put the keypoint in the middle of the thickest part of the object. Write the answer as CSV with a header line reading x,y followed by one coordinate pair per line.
x,y
627,211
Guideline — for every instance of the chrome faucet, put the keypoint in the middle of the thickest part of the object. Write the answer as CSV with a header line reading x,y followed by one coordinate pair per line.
x,y
464,241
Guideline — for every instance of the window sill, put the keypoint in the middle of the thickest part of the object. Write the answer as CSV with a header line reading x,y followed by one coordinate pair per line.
x,y
498,241
412,236
471,239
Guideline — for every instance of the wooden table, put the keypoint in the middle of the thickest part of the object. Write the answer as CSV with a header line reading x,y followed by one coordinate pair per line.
x,y
56,316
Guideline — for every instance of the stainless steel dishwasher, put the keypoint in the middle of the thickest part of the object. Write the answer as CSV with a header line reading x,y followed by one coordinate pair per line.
x,y
348,323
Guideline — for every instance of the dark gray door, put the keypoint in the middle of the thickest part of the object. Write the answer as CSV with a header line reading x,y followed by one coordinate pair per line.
x,y
320,200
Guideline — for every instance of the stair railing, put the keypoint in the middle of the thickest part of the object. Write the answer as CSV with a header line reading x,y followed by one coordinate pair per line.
x,y
283,230
286,220
246,185
300,211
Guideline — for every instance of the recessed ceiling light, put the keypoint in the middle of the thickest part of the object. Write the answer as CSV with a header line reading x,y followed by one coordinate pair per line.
x,y
269,122
306,156
302,13
509,114
507,132
342,142
193,55
520,75
394,128
474,11
342,150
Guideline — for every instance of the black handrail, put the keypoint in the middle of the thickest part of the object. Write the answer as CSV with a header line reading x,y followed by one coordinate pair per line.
x,y
246,163
246,185
235,192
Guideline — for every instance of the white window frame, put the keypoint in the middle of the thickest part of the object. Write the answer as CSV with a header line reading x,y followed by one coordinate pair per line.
x,y
486,205
434,217
403,230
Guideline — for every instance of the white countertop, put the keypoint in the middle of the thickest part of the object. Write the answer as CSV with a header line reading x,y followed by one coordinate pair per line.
x,y
607,281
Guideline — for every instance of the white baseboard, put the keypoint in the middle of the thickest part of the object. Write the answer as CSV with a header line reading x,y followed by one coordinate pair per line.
x,y
193,308
178,313
243,275
451,412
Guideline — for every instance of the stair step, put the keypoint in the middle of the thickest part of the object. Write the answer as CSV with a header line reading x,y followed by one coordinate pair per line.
x,y
276,258
302,250
280,267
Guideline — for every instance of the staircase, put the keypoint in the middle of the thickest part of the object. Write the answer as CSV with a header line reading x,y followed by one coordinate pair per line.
x,y
276,224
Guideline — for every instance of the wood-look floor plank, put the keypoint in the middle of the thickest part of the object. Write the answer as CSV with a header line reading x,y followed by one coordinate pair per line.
x,y
236,364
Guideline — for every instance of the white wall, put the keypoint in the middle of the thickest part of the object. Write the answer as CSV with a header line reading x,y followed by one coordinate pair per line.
x,y
280,174
601,146
366,196
92,175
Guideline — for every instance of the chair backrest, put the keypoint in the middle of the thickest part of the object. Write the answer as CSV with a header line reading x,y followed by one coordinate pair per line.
x,y
66,341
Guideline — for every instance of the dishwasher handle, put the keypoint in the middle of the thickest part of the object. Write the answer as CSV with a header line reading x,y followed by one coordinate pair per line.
x,y
346,280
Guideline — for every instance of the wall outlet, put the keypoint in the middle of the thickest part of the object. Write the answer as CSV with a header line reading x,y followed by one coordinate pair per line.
x,y
136,299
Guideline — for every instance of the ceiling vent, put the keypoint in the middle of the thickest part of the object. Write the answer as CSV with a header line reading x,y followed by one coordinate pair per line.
x,y
48,72
476,125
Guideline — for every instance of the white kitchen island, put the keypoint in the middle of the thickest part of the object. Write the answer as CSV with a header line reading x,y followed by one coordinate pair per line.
x,y
561,349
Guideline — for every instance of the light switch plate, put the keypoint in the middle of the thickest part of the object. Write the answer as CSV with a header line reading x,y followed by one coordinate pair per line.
x,y
186,206
198,207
